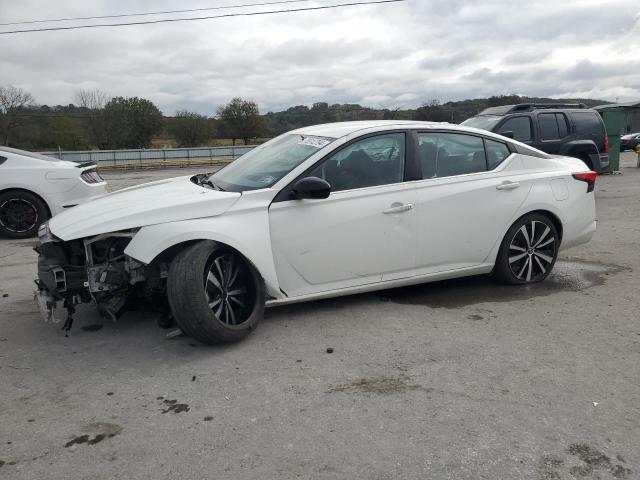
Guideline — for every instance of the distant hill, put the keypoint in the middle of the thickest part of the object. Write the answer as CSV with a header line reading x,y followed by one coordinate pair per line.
x,y
454,112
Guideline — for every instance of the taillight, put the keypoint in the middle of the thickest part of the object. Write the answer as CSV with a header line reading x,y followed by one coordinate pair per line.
x,y
606,143
91,176
589,178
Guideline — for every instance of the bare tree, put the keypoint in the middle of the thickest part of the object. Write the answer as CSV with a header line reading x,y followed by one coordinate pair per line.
x,y
12,100
90,99
94,102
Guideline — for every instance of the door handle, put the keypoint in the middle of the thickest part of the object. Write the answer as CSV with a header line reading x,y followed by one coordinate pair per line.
x,y
398,208
507,185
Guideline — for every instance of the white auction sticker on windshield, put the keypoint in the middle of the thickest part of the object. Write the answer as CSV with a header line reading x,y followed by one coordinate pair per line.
x,y
317,142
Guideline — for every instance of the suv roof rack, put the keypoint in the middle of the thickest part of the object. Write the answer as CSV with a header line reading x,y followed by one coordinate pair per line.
x,y
528,107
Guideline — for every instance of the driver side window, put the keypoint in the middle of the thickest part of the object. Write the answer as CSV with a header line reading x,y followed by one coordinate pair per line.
x,y
369,162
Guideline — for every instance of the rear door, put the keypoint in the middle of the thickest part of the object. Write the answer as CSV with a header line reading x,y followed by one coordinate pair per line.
x,y
465,200
553,131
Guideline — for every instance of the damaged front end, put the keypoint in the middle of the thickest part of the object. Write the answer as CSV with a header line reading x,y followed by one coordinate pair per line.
x,y
92,270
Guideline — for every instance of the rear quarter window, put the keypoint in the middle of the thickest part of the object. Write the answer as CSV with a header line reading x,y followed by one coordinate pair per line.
x,y
587,123
2,160
497,152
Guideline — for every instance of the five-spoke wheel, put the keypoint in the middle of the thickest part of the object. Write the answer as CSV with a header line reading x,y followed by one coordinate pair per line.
x,y
21,213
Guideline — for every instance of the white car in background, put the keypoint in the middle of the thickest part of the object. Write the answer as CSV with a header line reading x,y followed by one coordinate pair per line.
x,y
35,187
319,212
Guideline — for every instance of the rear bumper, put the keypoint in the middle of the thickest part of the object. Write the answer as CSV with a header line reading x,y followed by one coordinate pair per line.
x,y
599,161
83,193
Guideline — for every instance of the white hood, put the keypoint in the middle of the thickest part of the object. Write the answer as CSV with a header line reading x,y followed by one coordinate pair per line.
x,y
148,204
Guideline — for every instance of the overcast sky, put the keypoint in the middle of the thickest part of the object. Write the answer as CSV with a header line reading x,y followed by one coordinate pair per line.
x,y
392,55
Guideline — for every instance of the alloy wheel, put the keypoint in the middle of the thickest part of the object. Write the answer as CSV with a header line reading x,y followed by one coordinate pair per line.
x,y
532,251
18,215
226,289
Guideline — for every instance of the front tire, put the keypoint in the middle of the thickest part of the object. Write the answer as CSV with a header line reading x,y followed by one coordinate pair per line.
x,y
528,251
21,213
215,294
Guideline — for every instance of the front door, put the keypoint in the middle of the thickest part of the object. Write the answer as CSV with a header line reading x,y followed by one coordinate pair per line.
x,y
365,229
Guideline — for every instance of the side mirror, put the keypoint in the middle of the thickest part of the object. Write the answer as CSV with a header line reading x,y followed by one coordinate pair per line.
x,y
508,134
311,188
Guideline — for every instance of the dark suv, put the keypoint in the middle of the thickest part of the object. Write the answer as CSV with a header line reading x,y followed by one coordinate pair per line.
x,y
573,130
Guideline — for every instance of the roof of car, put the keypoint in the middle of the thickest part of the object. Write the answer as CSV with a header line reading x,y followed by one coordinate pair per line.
x,y
341,129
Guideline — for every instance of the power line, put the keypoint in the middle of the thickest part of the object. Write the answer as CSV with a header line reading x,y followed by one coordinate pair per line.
x,y
151,13
166,20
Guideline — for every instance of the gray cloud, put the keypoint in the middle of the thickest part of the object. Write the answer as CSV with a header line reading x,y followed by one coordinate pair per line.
x,y
393,55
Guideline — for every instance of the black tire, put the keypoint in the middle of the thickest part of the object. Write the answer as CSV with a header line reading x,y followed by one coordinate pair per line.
x,y
199,288
528,251
21,214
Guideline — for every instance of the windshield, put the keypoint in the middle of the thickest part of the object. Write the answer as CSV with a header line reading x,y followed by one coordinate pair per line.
x,y
28,154
483,122
263,166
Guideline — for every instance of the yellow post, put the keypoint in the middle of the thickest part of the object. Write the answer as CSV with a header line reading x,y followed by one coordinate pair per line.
x,y
637,149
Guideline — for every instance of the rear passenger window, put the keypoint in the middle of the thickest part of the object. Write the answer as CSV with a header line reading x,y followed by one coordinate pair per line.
x,y
496,153
447,154
520,126
548,126
553,126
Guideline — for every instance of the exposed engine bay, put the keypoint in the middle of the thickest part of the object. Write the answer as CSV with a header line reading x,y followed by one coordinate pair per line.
x,y
94,270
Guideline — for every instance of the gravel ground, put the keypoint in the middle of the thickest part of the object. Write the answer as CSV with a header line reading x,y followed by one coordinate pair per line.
x,y
460,379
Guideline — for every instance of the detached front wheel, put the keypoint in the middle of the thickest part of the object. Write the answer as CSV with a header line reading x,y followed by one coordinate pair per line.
x,y
215,294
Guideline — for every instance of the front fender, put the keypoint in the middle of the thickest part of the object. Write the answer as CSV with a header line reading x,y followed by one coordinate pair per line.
x,y
246,231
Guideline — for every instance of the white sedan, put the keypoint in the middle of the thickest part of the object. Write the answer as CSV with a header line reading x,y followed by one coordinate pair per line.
x,y
34,187
320,212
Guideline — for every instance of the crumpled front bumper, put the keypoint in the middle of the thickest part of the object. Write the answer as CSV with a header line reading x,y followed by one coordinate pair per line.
x,y
52,310
59,282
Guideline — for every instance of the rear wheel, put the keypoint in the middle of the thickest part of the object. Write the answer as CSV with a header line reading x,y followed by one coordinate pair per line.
x,y
528,251
21,213
215,294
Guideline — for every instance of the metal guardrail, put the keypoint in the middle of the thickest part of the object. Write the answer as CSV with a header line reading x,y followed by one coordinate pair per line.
x,y
151,157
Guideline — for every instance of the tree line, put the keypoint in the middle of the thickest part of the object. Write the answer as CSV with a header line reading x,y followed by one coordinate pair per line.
x,y
96,120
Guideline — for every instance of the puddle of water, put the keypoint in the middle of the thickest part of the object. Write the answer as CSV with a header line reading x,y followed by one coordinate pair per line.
x,y
568,275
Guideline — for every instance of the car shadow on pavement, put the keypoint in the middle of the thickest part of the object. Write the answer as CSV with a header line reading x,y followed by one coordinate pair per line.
x,y
569,275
